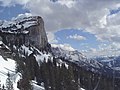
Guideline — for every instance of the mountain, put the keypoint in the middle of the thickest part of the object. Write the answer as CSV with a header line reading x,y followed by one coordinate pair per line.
x,y
111,61
40,66
18,39
81,60
24,30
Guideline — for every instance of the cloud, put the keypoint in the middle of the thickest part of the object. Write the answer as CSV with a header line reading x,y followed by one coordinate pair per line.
x,y
76,37
109,29
8,3
68,3
67,47
113,49
51,37
92,15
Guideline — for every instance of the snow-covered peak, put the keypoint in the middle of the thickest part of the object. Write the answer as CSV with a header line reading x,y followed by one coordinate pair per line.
x,y
21,16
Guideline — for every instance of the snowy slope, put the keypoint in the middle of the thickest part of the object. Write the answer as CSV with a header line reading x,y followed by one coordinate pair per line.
x,y
5,67
8,66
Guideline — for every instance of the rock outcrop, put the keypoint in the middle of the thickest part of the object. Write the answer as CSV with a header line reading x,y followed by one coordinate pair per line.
x,y
26,30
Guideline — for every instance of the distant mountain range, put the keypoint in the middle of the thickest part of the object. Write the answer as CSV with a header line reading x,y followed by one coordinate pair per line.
x,y
111,61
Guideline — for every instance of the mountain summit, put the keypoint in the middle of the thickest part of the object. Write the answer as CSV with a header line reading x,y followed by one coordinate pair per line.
x,y
24,30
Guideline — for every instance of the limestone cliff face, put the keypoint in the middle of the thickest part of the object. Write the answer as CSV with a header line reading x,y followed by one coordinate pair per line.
x,y
26,30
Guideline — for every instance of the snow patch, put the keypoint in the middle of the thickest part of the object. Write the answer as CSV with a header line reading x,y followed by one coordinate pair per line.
x,y
82,89
37,87
17,78
26,50
41,57
28,24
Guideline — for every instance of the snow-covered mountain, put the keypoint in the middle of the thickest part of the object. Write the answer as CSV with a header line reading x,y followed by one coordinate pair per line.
x,y
34,62
28,33
20,38
27,30
111,61
81,60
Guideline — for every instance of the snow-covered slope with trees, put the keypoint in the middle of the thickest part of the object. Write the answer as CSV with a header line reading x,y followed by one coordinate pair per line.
x,y
7,67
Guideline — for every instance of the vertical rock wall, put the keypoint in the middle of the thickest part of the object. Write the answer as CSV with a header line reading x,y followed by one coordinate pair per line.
x,y
37,34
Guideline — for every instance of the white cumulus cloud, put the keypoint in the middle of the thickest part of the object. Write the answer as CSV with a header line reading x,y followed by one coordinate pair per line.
x,y
51,37
113,49
76,37
67,47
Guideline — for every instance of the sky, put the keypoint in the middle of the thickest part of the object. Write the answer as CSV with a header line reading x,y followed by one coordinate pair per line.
x,y
89,26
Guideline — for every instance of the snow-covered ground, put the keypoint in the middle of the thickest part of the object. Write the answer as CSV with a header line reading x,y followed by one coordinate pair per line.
x,y
82,89
36,87
9,65
5,67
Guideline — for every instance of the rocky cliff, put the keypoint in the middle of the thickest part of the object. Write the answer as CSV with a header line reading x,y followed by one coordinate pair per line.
x,y
24,30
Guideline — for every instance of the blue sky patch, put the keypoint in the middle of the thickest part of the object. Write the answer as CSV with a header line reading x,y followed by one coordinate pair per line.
x,y
6,13
80,45
114,11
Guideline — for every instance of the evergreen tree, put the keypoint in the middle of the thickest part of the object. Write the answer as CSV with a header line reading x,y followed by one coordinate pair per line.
x,y
3,87
0,85
9,84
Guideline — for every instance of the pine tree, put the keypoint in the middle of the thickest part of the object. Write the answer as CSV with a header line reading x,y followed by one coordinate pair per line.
x,y
9,84
0,85
3,87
